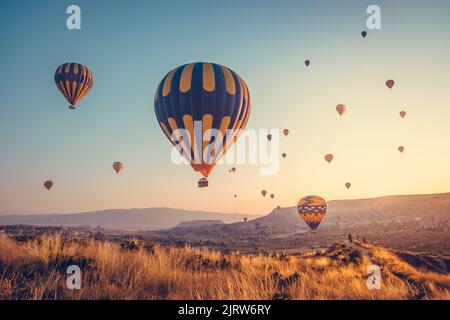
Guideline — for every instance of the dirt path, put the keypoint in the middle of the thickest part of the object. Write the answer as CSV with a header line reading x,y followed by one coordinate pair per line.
x,y
417,289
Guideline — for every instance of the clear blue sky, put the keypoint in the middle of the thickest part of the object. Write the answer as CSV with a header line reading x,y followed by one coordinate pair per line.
x,y
131,45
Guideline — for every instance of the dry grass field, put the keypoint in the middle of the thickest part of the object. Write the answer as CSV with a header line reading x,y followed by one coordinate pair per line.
x,y
36,269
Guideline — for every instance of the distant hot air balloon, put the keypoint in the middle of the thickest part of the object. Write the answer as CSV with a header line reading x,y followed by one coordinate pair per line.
x,y
235,195
233,169
390,83
245,219
341,109
202,99
348,185
117,166
312,210
402,114
269,137
74,81
329,157
286,132
307,62
272,196
264,192
48,184
401,149
364,34
284,155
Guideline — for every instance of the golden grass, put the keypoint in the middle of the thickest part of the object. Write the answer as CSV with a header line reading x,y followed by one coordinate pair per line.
x,y
36,270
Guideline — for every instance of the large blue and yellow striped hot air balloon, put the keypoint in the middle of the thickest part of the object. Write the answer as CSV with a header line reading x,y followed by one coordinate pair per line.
x,y
74,80
312,210
202,107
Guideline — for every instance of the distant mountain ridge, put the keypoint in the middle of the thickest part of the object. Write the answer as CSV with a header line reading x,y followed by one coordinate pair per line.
x,y
124,219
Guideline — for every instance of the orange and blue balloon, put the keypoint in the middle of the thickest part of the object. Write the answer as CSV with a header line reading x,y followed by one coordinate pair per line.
x,y
74,81
205,93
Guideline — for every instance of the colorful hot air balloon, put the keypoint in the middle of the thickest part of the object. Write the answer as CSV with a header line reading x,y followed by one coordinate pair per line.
x,y
74,80
286,132
348,185
402,114
341,109
269,137
206,101
390,83
264,192
312,210
272,196
284,155
48,184
329,157
364,34
307,62
117,166
401,149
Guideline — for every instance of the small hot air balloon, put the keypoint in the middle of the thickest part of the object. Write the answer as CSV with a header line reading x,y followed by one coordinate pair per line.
x,y
264,192
402,114
272,196
233,169
329,157
48,184
235,195
284,155
364,34
206,93
401,149
307,62
390,83
117,166
312,210
341,109
245,219
286,132
74,81
269,137
348,185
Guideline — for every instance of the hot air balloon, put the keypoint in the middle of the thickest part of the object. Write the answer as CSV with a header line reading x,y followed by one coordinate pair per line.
x,y
329,157
74,81
269,137
402,114
284,155
401,149
117,166
364,34
235,195
204,101
390,83
245,219
341,109
348,185
48,184
272,196
312,210
264,192
233,169
307,62
286,132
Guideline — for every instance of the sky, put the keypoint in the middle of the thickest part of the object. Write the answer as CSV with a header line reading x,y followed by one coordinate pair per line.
x,y
131,45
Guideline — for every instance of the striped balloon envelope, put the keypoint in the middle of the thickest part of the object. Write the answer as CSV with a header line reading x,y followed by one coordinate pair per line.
x,y
202,109
74,81
312,209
